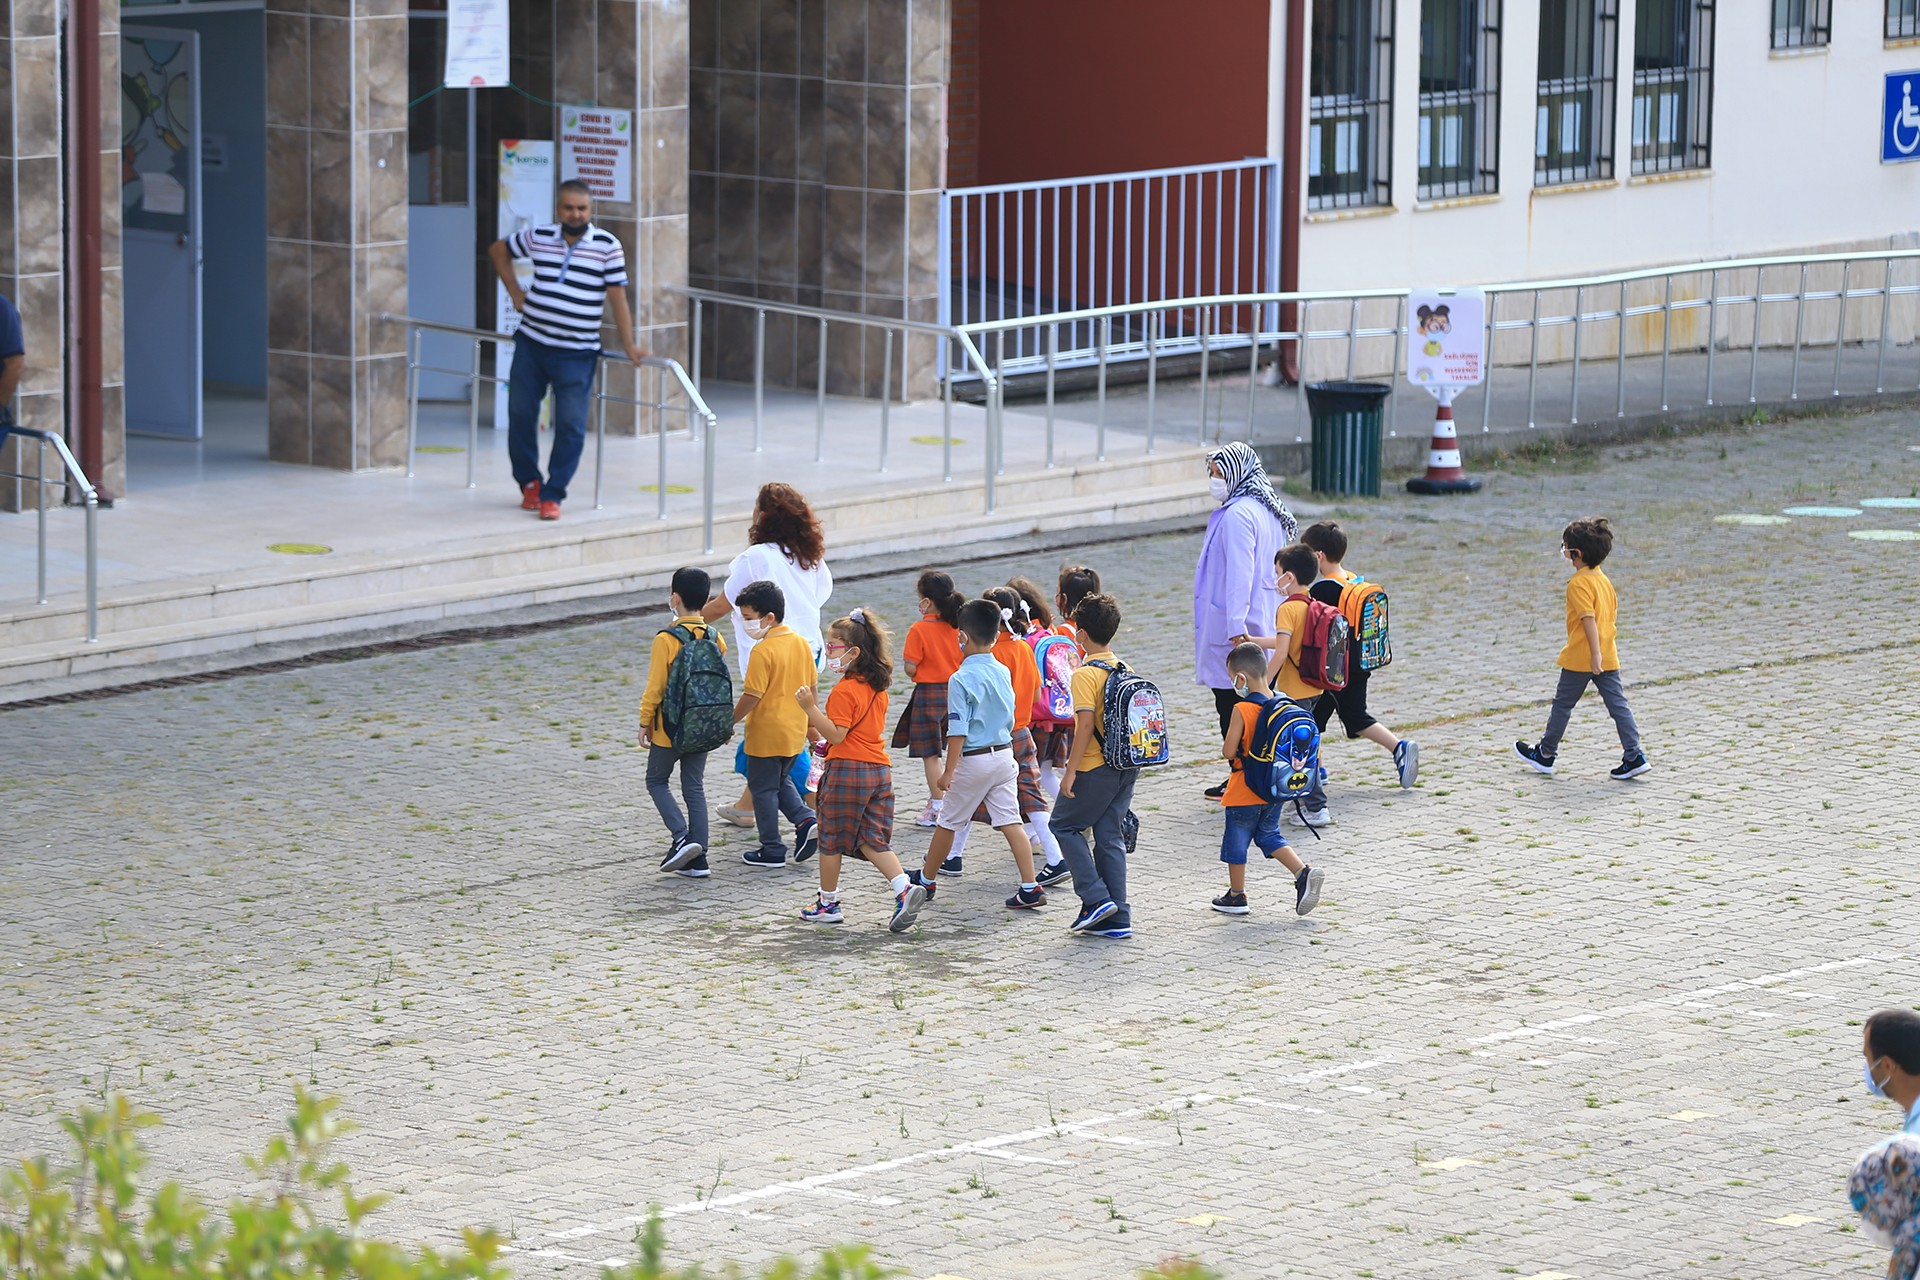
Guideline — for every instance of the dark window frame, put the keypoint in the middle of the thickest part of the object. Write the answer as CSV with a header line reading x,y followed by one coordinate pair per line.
x,y
1350,104
1470,97
1580,105
1801,24
1673,86
1903,19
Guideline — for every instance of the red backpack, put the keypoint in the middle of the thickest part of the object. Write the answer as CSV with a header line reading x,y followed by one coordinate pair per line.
x,y
1324,640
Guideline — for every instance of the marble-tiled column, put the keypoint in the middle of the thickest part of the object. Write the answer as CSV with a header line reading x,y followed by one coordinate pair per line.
x,y
336,231
33,251
817,160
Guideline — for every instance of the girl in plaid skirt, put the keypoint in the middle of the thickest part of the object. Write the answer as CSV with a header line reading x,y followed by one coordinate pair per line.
x,y
855,805
931,656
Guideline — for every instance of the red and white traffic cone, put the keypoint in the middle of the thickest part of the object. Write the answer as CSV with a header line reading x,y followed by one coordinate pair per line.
x,y
1444,473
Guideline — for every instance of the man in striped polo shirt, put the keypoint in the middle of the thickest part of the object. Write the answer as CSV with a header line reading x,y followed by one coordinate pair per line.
x,y
578,269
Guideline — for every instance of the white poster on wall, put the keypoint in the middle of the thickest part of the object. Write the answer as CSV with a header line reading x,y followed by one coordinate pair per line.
x,y
596,146
476,45
526,198
1446,337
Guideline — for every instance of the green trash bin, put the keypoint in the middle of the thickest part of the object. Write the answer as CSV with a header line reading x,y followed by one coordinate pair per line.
x,y
1346,435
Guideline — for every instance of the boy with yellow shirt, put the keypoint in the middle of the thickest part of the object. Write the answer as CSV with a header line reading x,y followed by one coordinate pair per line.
x,y
687,832
1296,568
781,665
1590,655
1094,797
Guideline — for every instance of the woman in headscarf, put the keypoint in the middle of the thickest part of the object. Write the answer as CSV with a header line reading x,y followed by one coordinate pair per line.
x,y
1233,586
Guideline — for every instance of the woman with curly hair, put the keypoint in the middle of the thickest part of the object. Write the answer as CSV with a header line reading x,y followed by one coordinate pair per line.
x,y
785,547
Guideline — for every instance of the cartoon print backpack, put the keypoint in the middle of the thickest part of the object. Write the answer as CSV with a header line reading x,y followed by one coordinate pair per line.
x,y
1058,658
1324,638
1133,719
1282,756
697,707
1365,606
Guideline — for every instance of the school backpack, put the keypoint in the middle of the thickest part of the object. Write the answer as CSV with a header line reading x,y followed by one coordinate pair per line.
x,y
1324,638
1282,756
1058,658
1365,606
697,708
1133,719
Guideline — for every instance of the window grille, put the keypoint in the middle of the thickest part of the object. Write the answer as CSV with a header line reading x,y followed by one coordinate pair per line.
x,y
1672,85
1459,98
1801,24
1573,123
1903,19
1350,106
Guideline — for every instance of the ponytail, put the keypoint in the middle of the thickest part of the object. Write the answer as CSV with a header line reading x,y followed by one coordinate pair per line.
x,y
863,629
938,587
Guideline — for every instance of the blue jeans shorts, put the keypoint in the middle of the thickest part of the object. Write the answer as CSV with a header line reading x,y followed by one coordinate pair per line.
x,y
1251,824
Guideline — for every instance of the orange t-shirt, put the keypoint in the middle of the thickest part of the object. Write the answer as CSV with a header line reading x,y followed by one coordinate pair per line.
x,y
1066,629
933,648
1012,653
1238,792
862,711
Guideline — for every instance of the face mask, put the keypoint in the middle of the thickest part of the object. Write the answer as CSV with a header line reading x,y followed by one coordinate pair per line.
x,y
1217,487
574,228
837,664
756,628
1873,1086
1240,688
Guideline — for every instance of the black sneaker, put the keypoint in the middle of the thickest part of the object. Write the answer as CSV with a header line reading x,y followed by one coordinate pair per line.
x,y
805,840
951,868
683,854
1098,913
1306,889
1024,899
1534,758
1054,873
1214,793
760,860
920,879
1231,904
1631,766
1117,925
696,870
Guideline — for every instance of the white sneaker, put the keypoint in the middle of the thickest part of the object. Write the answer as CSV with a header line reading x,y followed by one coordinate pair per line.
x,y
929,816
1304,817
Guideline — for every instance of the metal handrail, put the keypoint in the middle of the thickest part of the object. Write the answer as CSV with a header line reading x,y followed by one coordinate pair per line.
x,y
91,500
695,408
1131,175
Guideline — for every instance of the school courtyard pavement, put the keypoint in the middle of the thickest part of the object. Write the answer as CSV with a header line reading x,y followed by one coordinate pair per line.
x,y
1560,1028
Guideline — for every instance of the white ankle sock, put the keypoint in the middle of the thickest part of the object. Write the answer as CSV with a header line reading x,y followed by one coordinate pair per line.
x,y
899,883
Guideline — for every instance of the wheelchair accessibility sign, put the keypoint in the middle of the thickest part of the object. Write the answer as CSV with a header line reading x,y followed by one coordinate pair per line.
x,y
1900,118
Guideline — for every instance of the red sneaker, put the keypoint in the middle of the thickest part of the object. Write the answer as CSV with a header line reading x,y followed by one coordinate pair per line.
x,y
530,496
549,511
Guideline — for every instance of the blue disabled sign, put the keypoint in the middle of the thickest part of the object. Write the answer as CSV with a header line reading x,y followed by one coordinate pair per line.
x,y
1900,118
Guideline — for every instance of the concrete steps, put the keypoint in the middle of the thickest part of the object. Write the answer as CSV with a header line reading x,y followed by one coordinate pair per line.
x,y
309,600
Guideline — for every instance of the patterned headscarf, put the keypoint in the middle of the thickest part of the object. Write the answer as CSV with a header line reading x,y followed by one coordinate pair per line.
x,y
1885,1190
1245,474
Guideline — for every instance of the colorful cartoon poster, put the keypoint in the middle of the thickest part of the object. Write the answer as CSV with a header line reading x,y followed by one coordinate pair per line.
x,y
477,45
1446,337
525,198
596,146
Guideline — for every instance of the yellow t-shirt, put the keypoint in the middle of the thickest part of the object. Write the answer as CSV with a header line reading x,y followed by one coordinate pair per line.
x,y
1089,689
665,649
1590,592
1292,618
780,664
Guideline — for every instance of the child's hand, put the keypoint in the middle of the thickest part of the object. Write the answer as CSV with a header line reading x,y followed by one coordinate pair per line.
x,y
646,736
945,781
1598,669
1066,785
805,697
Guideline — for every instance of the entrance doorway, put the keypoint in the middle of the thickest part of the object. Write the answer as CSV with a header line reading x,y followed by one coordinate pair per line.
x,y
160,196
441,208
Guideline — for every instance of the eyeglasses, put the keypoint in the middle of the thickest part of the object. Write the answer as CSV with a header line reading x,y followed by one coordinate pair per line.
x,y
837,648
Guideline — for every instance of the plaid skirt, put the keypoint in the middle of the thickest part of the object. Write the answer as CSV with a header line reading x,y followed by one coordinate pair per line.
x,y
1053,742
1031,798
855,807
923,724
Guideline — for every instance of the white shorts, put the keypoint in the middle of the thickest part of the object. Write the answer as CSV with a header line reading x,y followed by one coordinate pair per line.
x,y
992,778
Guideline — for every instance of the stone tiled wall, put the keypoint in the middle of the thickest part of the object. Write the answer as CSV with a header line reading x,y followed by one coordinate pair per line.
x,y
336,231
32,244
816,162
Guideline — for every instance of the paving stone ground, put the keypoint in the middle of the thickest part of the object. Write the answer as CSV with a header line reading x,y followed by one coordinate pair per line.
x,y
1561,1027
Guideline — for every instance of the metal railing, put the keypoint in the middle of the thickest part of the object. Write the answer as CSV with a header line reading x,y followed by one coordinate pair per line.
x,y
69,474
695,408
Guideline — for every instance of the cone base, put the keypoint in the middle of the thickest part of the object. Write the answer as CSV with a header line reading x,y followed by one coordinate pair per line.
x,y
1429,485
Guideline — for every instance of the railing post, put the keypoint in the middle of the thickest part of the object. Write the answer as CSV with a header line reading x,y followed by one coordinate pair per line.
x,y
413,397
1156,324
1205,336
600,430
820,400
1666,339
1886,314
40,511
1753,364
694,373
1053,357
1840,326
886,397
1353,337
1253,371
473,419
713,429
1573,403
759,375
1799,328
1486,385
1713,319
1620,358
1393,381
660,430
1100,414
1533,362
946,412
1300,383
93,567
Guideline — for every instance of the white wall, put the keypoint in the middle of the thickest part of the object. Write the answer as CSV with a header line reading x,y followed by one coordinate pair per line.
x,y
1795,166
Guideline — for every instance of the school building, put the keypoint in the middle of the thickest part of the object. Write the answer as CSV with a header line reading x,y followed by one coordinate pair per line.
x,y
210,204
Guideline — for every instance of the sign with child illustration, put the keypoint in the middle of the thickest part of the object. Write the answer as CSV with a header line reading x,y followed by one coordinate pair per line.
x,y
1446,330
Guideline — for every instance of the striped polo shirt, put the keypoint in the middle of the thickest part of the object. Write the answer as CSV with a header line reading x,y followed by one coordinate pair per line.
x,y
570,283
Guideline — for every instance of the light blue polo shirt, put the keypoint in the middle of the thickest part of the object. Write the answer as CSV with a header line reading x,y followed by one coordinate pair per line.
x,y
1912,1125
980,702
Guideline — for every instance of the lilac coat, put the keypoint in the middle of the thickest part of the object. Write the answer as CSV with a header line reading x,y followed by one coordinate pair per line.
x,y
1233,591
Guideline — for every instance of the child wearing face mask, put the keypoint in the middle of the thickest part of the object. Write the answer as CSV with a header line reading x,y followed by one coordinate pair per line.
x,y
856,791
931,655
687,831
1590,656
1251,820
1295,569
781,665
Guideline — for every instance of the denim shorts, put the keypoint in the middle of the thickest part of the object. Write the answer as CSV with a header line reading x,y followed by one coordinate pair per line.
x,y
1251,824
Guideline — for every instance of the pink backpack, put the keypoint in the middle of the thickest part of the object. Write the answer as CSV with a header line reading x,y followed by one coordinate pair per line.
x,y
1058,658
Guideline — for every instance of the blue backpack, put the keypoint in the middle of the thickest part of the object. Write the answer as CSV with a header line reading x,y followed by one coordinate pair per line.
x,y
1282,758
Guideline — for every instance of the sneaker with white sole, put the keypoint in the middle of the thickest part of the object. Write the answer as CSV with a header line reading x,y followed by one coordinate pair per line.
x,y
1534,758
806,838
696,870
1231,904
906,908
760,860
954,867
1630,766
1406,762
1300,816
1053,873
822,912
1092,916
1118,925
683,854
1306,889
929,816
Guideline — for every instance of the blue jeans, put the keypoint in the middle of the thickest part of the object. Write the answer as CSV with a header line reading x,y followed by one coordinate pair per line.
x,y
536,367
1251,824
770,780
661,763
1098,804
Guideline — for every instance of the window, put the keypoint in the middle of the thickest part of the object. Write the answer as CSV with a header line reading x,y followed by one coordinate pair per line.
x,y
1903,19
1801,24
1459,97
1573,125
1672,85
1349,130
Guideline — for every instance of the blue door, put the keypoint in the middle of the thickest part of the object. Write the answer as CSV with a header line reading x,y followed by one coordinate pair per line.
x,y
160,221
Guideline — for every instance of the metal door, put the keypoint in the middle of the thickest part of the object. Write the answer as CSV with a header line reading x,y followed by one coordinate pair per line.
x,y
160,221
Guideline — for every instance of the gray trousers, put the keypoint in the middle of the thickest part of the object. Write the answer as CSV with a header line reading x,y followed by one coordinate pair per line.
x,y
770,780
692,825
1100,800
1612,692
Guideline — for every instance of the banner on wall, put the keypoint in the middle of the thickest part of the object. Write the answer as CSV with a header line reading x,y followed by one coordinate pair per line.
x,y
526,198
596,146
477,50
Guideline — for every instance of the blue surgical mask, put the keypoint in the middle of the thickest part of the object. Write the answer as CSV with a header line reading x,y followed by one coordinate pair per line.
x,y
1873,1086
1240,688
